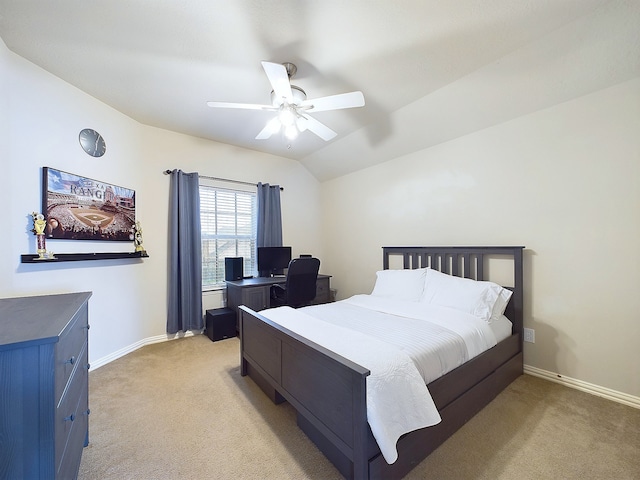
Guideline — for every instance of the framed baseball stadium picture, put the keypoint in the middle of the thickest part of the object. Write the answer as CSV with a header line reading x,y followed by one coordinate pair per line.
x,y
79,208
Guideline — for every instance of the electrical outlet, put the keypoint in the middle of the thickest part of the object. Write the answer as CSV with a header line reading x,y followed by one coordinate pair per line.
x,y
529,335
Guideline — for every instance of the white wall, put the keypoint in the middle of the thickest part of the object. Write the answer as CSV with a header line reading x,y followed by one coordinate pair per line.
x,y
564,182
40,118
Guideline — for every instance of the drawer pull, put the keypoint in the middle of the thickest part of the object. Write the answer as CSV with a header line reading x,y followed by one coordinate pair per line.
x,y
87,326
72,360
88,411
71,417
88,366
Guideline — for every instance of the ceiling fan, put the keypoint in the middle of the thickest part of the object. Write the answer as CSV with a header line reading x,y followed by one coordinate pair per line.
x,y
292,105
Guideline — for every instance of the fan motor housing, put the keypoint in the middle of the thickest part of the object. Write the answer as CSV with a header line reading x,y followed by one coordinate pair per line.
x,y
298,94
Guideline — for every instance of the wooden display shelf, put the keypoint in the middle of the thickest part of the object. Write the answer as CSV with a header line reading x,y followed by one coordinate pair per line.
x,y
78,257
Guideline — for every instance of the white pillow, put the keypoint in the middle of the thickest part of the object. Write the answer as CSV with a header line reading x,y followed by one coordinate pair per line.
x,y
471,296
400,284
501,303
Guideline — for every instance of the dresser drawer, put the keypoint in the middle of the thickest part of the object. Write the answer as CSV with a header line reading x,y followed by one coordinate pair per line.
x,y
71,412
68,349
70,462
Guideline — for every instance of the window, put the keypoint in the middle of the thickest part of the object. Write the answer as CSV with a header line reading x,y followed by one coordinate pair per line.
x,y
228,220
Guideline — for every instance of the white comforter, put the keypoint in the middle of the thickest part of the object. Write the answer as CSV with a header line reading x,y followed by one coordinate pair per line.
x,y
404,345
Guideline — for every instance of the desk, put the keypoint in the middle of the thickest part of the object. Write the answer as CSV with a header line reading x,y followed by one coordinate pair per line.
x,y
255,293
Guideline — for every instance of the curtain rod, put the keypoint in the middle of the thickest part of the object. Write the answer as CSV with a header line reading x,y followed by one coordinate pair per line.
x,y
167,172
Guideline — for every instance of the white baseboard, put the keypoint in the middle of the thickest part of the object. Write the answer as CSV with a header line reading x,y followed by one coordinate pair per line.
x,y
135,346
603,392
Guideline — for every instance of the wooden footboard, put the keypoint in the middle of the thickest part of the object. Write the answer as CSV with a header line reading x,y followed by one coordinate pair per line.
x,y
329,391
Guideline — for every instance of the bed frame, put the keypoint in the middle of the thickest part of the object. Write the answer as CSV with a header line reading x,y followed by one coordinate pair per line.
x,y
328,391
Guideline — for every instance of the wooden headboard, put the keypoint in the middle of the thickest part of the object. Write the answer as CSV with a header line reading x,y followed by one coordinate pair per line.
x,y
467,262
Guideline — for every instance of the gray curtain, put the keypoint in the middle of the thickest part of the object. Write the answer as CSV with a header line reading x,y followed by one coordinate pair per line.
x,y
269,217
185,254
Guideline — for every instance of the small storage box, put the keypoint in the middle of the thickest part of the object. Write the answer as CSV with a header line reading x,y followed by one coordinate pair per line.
x,y
221,323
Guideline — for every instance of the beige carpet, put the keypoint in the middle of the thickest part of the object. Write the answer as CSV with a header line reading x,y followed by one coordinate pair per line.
x,y
181,410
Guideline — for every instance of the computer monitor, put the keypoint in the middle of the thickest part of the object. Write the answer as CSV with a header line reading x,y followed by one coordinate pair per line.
x,y
273,260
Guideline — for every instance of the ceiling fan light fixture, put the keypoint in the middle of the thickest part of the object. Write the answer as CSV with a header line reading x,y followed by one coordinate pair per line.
x,y
291,132
287,115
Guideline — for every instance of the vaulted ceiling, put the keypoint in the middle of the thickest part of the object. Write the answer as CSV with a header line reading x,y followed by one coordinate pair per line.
x,y
430,70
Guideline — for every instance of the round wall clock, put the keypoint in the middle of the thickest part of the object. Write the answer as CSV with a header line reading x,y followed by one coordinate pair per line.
x,y
92,142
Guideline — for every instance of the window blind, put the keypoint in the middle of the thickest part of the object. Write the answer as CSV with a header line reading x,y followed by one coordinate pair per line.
x,y
228,229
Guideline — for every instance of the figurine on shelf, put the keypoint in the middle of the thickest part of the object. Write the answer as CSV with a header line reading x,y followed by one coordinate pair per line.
x,y
137,236
39,225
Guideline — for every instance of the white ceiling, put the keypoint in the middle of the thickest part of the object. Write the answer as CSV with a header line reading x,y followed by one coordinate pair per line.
x,y
430,70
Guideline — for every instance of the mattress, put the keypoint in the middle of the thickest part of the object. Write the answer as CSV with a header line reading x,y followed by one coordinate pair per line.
x,y
437,339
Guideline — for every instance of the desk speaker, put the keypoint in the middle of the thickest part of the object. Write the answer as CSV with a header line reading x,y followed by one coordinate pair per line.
x,y
233,268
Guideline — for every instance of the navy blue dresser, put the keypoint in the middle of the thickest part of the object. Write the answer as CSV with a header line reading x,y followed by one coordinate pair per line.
x,y
44,396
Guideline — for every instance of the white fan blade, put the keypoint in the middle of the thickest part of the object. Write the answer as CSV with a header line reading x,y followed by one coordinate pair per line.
x,y
335,102
246,106
320,129
301,123
279,80
273,126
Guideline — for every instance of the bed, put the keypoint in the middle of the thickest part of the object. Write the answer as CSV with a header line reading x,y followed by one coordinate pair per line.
x,y
329,391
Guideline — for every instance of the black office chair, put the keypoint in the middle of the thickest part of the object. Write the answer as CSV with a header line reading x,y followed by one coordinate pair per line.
x,y
300,287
